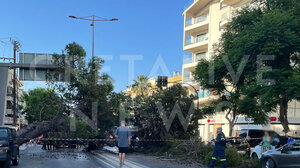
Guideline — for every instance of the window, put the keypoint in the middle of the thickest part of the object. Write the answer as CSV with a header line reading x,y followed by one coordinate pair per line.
x,y
8,105
243,133
201,37
201,18
189,21
296,146
256,133
3,133
9,90
200,56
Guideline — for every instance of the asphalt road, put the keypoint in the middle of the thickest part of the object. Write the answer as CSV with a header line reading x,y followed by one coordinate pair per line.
x,y
34,157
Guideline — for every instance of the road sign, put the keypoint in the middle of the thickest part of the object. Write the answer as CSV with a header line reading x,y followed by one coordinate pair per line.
x,y
38,66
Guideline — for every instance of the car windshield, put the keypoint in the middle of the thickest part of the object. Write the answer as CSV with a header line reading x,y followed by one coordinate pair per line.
x,y
3,133
243,133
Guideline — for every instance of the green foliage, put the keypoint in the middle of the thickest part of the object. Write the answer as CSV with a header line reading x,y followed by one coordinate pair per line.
x,y
83,130
233,158
189,149
250,163
141,86
148,117
42,104
87,85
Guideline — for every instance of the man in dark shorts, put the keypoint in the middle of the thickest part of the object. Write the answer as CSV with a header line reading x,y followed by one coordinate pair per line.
x,y
124,139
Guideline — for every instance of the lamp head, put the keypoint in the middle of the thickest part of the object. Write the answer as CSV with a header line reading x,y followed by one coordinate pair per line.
x,y
73,17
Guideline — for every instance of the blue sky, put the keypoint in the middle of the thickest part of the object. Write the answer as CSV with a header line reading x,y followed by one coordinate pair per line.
x,y
148,28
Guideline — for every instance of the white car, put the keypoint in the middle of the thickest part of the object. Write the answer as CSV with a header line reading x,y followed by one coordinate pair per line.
x,y
257,151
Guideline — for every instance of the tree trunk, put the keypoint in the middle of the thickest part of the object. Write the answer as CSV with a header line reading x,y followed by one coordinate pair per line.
x,y
36,129
231,121
231,125
283,115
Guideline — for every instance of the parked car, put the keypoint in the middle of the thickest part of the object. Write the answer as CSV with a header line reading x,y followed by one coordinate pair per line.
x,y
254,136
249,138
283,157
9,150
258,150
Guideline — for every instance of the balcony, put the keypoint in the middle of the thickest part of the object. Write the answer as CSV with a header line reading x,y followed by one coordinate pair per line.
x,y
198,24
236,2
8,120
195,6
190,63
197,44
188,79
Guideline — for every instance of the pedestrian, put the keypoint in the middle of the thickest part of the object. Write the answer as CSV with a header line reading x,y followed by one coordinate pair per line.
x,y
219,150
123,135
44,145
266,144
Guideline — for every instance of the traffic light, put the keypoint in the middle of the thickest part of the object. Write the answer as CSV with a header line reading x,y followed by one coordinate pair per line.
x,y
159,82
162,81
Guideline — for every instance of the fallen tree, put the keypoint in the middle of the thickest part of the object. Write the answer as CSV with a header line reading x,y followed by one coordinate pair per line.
x,y
35,129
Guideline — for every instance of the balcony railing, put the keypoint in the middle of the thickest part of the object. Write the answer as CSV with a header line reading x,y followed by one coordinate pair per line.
x,y
188,60
197,20
197,40
188,79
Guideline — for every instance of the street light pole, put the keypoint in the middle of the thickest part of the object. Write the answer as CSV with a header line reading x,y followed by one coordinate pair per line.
x,y
94,19
93,48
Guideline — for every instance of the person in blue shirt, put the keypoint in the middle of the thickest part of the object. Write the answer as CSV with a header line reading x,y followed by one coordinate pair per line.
x,y
219,150
124,139
290,140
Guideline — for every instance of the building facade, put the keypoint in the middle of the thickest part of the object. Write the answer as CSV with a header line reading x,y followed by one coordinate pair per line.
x,y
175,79
204,23
8,118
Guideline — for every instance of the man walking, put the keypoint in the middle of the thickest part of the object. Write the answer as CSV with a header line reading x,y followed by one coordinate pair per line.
x,y
124,139
219,151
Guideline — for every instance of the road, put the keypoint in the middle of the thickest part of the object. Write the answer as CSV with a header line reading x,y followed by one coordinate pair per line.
x,y
34,157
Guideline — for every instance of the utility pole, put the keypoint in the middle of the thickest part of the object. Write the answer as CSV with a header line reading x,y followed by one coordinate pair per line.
x,y
93,48
16,47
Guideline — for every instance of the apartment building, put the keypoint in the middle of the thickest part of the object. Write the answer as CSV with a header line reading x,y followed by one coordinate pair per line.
x,y
204,23
8,118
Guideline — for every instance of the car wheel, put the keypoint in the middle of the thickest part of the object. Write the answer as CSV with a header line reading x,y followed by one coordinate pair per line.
x,y
7,163
15,161
269,163
254,156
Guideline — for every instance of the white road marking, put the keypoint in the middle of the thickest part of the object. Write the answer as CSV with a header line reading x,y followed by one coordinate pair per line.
x,y
127,161
105,162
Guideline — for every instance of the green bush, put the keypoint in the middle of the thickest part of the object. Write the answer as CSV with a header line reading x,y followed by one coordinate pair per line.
x,y
250,163
233,158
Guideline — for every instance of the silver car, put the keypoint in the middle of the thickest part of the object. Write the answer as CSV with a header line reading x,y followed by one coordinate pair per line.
x,y
285,156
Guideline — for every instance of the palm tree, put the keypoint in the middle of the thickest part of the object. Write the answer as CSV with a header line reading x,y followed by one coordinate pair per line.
x,y
141,86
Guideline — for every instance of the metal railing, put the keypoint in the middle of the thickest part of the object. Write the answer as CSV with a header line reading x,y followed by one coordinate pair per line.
x,y
197,40
197,20
188,79
187,60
